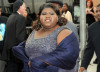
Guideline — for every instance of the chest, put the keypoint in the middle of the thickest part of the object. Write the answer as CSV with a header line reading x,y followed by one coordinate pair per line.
x,y
38,47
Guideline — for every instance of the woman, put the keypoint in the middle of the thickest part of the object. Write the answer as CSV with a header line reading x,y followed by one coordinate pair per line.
x,y
90,12
51,47
66,12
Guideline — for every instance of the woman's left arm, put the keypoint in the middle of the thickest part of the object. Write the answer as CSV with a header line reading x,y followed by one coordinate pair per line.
x,y
64,56
93,13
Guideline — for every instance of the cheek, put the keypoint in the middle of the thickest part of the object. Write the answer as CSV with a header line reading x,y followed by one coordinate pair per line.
x,y
55,19
41,19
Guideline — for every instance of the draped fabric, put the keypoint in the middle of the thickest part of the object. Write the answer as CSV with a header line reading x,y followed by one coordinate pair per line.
x,y
64,56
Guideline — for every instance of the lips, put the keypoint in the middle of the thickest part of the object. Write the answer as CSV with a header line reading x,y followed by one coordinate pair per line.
x,y
47,20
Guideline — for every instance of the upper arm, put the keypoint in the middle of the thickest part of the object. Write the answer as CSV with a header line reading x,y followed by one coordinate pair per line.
x,y
95,13
94,9
63,34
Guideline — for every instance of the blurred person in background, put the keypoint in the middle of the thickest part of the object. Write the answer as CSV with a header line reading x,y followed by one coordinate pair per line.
x,y
3,21
66,13
90,15
90,12
93,43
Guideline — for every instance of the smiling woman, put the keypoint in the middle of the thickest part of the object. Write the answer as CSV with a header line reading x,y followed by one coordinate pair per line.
x,y
51,47
44,15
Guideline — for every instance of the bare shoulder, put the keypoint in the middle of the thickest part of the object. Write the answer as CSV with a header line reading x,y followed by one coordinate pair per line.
x,y
94,8
63,34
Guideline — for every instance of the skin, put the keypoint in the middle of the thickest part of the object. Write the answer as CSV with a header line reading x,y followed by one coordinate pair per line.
x,y
0,11
98,13
49,20
88,4
64,8
25,14
22,9
98,17
88,10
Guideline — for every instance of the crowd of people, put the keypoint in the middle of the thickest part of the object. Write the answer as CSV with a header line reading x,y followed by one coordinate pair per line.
x,y
53,44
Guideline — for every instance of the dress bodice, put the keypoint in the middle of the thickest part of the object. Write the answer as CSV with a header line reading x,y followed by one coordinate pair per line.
x,y
38,47
90,18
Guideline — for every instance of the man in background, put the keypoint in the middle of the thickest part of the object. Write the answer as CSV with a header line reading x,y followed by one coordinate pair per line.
x,y
93,44
15,33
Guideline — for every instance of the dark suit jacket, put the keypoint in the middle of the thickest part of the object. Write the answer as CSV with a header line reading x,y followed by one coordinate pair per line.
x,y
15,33
93,44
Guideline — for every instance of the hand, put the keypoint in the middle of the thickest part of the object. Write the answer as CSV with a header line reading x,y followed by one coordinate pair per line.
x,y
90,12
81,69
29,63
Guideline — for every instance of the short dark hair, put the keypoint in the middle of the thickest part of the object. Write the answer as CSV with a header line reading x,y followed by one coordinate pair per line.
x,y
61,20
17,5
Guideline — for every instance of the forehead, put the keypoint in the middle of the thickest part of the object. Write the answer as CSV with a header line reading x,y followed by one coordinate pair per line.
x,y
64,4
48,10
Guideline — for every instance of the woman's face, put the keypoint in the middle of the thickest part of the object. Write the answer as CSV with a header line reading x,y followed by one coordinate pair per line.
x,y
48,18
64,8
88,3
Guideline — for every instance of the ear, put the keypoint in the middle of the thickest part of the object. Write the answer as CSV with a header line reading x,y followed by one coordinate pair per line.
x,y
57,18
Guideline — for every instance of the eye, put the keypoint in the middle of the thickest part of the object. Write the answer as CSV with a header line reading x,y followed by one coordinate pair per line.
x,y
43,13
52,13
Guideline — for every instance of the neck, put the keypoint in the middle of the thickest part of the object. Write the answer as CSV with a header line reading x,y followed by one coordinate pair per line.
x,y
49,29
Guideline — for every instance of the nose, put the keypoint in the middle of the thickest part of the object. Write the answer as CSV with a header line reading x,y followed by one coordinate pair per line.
x,y
48,16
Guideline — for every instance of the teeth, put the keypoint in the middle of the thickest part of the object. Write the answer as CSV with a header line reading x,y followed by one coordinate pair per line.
x,y
47,20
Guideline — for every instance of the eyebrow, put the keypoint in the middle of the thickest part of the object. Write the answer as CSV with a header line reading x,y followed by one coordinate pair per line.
x,y
48,12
